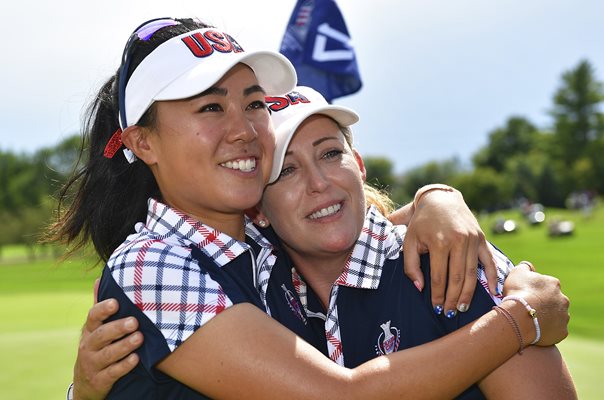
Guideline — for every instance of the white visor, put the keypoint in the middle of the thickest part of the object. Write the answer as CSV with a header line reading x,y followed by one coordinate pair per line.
x,y
191,63
289,111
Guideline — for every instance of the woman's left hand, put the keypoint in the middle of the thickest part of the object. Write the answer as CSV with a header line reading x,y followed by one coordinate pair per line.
x,y
444,226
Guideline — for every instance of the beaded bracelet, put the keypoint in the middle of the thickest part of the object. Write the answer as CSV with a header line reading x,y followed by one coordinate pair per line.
x,y
532,312
427,188
513,323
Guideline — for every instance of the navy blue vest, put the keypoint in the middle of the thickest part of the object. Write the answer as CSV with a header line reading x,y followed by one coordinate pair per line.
x,y
395,316
145,381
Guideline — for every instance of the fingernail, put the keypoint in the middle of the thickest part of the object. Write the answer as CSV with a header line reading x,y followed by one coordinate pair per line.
x,y
417,285
112,304
438,309
451,314
130,323
463,307
135,339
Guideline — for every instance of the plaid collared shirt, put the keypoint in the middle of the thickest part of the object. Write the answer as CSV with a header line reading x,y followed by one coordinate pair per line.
x,y
379,241
155,269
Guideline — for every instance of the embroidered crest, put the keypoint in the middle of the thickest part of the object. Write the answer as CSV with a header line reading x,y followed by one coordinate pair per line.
x,y
389,339
293,304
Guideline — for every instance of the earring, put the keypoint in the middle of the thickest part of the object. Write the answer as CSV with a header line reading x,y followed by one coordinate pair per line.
x,y
263,223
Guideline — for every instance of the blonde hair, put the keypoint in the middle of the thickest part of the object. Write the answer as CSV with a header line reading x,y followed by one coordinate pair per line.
x,y
379,199
373,196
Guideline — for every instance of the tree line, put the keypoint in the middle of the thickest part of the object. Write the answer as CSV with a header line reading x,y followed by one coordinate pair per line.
x,y
520,160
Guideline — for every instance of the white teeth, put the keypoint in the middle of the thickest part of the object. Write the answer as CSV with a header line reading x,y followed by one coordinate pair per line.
x,y
326,211
242,165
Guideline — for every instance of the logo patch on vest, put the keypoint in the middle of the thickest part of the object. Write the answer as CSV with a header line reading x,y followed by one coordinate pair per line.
x,y
293,304
389,339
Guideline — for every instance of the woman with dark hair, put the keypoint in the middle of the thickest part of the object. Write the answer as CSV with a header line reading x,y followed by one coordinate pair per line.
x,y
188,103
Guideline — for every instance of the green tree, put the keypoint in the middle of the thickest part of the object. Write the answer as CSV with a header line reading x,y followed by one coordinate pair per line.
x,y
549,187
595,154
518,136
484,189
11,166
431,172
380,172
62,158
27,183
576,112
534,177
579,129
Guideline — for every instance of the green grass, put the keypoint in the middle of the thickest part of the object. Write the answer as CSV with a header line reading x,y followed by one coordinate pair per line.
x,y
577,260
584,359
43,308
38,342
44,305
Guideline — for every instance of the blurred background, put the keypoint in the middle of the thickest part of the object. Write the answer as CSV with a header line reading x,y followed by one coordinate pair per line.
x,y
503,100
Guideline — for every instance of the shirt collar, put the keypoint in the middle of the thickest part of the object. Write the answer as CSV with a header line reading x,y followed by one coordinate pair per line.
x,y
379,241
172,224
252,231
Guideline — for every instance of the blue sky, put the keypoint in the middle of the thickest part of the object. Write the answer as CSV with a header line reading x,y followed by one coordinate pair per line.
x,y
438,75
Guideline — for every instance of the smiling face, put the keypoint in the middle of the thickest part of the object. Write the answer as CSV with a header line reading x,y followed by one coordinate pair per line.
x,y
211,154
317,205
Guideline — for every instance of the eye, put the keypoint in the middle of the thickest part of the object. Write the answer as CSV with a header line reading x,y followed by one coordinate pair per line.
x,y
331,154
258,105
212,107
286,171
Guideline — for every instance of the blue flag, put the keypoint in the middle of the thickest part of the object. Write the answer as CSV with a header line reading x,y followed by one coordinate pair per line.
x,y
317,42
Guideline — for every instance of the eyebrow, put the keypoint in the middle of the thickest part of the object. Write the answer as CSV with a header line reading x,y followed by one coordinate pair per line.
x,y
316,142
223,92
254,89
323,139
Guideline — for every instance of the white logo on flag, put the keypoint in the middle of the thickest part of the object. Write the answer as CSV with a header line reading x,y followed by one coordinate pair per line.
x,y
320,53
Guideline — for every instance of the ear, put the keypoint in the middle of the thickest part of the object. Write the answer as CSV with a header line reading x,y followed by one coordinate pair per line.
x,y
136,138
257,216
361,164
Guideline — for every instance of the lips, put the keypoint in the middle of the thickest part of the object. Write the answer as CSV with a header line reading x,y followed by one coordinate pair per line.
x,y
325,212
242,164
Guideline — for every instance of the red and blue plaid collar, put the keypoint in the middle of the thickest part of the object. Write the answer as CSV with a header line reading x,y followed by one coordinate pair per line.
x,y
379,241
172,224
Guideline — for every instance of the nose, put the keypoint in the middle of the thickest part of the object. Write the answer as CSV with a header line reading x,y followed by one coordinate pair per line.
x,y
317,180
240,127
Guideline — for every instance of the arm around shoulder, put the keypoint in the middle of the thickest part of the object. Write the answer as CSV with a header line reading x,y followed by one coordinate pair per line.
x,y
244,353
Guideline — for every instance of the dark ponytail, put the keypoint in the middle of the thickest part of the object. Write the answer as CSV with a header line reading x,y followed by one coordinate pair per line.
x,y
105,197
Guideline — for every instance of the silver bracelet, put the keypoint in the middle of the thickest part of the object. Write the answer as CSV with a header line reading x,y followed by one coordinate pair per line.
x,y
70,392
532,312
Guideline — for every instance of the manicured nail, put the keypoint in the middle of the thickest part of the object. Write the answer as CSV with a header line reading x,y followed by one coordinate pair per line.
x,y
463,307
451,314
438,309
417,285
